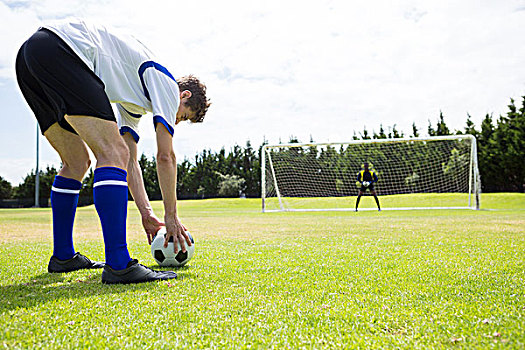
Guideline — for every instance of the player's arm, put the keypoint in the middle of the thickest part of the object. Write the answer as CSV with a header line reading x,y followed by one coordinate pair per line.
x,y
150,222
167,172
374,177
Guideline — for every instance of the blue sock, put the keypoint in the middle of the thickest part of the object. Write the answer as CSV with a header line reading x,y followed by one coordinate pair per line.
x,y
64,200
110,192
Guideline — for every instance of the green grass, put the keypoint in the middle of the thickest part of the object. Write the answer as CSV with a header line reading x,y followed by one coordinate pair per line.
x,y
427,200
398,279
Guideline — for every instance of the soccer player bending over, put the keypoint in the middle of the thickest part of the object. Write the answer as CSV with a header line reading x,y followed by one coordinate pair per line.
x,y
70,73
366,178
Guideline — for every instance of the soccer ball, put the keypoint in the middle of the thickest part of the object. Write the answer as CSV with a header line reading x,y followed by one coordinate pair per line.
x,y
166,256
366,183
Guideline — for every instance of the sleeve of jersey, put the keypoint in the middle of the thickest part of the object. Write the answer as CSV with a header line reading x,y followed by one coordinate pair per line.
x,y
164,96
375,177
128,122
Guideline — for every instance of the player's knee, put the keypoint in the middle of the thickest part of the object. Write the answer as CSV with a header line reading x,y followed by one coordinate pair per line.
x,y
83,166
77,168
116,153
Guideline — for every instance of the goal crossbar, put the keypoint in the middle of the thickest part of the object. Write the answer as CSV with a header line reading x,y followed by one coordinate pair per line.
x,y
352,142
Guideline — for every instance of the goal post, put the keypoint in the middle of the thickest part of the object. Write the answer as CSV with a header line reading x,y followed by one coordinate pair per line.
x,y
439,172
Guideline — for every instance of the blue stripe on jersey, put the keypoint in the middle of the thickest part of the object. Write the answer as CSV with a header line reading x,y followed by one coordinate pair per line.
x,y
126,129
134,115
158,67
159,119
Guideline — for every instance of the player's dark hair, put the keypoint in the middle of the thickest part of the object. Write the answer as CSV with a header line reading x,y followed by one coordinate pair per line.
x,y
198,101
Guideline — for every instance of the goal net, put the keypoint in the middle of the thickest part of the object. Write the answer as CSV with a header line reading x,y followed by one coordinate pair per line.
x,y
438,172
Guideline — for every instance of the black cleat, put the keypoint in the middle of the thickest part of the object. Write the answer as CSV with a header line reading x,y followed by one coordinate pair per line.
x,y
77,262
134,273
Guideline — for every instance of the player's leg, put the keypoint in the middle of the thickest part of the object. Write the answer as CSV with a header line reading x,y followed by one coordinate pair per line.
x,y
66,187
72,150
358,199
374,193
110,189
110,192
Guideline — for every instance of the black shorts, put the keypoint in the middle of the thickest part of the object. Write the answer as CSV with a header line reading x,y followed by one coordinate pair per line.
x,y
56,82
370,187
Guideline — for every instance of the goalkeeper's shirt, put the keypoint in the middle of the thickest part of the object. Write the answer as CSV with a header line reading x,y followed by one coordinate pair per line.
x,y
367,175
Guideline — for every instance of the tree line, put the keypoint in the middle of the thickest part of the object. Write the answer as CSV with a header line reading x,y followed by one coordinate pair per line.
x,y
237,172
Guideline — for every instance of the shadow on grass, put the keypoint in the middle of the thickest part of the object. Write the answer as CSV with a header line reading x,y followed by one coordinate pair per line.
x,y
48,287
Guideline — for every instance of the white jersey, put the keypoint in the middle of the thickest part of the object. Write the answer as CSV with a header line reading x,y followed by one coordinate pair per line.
x,y
132,77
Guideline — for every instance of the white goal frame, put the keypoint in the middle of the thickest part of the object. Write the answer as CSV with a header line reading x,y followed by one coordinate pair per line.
x,y
474,185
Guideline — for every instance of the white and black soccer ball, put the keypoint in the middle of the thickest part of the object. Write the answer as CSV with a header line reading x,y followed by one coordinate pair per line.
x,y
366,183
166,256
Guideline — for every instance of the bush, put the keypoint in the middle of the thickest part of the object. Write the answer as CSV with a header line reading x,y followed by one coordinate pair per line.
x,y
230,185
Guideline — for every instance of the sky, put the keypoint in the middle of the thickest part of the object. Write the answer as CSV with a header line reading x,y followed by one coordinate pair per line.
x,y
275,69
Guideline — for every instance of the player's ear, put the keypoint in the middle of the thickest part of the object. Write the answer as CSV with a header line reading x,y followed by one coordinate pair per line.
x,y
185,94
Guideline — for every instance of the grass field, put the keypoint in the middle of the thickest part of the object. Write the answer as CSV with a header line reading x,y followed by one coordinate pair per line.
x,y
448,200
398,279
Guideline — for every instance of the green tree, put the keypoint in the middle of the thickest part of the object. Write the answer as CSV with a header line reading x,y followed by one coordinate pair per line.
x,y
251,171
26,189
430,130
412,181
415,131
149,176
365,135
509,149
185,185
86,191
441,127
230,185
454,166
470,128
381,134
5,189
394,133
488,168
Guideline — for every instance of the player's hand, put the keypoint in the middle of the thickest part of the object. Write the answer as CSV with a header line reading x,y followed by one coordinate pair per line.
x,y
151,224
175,229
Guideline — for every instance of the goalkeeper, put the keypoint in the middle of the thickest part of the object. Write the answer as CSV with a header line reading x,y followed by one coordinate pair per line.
x,y
366,178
